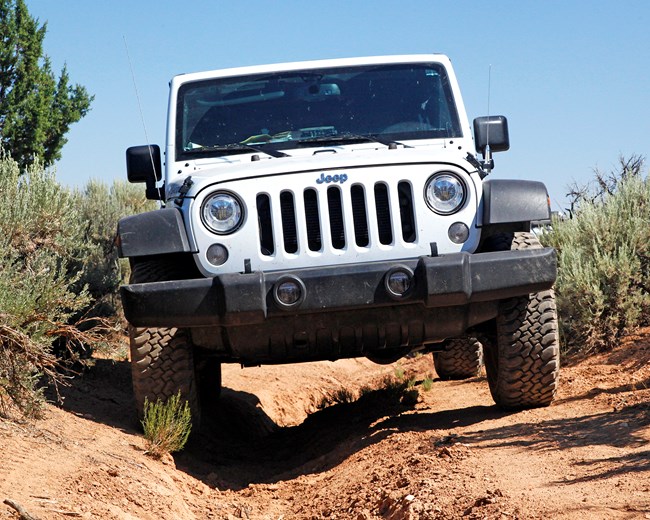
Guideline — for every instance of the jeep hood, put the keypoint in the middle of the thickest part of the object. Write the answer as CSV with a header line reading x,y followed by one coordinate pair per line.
x,y
215,171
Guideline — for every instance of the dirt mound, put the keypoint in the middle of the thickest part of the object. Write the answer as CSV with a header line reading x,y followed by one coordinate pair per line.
x,y
269,452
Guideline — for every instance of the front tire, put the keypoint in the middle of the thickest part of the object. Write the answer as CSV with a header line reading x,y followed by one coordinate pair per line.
x,y
523,363
162,364
164,361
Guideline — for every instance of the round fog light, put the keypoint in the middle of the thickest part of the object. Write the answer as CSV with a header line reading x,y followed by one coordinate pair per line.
x,y
217,254
458,233
399,282
289,292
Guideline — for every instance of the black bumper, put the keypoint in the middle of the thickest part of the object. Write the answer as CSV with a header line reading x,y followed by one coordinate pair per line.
x,y
234,300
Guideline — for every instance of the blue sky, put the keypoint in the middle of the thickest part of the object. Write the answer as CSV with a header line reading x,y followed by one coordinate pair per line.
x,y
573,77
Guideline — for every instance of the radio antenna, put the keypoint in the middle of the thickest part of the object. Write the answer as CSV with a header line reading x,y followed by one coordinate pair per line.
x,y
137,97
488,155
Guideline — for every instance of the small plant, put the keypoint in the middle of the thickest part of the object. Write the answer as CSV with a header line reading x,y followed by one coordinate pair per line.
x,y
410,396
399,373
340,396
167,425
397,389
427,383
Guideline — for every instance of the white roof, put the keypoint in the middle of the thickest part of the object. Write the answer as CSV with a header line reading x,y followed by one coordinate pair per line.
x,y
313,64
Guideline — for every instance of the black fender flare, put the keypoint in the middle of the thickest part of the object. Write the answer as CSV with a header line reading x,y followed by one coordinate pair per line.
x,y
157,232
513,200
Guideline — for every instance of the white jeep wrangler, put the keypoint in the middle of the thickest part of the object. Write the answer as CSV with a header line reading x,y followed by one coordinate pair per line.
x,y
335,209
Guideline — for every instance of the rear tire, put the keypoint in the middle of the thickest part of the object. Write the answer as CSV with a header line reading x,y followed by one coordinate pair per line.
x,y
461,358
523,364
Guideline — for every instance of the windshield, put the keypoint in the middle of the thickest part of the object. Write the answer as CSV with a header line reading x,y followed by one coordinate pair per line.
x,y
309,108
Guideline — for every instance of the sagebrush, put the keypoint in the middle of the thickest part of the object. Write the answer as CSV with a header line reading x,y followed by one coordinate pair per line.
x,y
100,206
603,285
51,276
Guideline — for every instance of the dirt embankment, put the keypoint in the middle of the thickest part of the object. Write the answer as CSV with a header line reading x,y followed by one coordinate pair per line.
x,y
452,454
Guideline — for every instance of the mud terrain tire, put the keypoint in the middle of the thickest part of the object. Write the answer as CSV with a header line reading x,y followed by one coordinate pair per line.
x,y
461,359
162,359
523,363
162,364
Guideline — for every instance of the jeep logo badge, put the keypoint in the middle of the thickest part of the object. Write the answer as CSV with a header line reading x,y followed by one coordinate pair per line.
x,y
327,179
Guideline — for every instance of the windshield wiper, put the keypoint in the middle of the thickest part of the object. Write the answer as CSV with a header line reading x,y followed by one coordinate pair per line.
x,y
349,138
236,148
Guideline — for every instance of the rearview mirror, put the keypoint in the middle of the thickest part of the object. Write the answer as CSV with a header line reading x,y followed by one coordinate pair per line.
x,y
492,131
143,164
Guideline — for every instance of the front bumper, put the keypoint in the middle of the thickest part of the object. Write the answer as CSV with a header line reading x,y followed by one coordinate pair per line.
x,y
234,300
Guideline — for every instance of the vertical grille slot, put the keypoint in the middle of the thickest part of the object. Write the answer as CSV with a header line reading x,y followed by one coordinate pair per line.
x,y
288,211
265,224
312,220
359,215
335,207
406,212
383,214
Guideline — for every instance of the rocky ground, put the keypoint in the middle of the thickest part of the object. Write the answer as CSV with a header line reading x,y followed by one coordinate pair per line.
x,y
269,453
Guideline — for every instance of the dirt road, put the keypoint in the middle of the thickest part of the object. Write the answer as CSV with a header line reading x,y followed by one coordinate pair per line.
x,y
451,454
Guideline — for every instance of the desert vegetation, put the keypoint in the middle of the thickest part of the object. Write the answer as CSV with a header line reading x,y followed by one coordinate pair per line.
x,y
603,285
166,425
59,277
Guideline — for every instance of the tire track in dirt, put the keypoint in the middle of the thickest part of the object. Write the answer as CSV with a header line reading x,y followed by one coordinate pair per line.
x,y
31,462
14,458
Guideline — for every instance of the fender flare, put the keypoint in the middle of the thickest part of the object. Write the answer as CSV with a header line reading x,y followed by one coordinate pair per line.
x,y
512,200
157,232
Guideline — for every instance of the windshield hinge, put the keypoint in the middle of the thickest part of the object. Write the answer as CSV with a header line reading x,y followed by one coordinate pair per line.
x,y
187,184
477,164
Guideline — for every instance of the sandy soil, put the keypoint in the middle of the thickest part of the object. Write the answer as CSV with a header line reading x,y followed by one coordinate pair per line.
x,y
267,453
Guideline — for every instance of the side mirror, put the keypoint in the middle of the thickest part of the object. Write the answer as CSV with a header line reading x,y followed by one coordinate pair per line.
x,y
492,131
143,164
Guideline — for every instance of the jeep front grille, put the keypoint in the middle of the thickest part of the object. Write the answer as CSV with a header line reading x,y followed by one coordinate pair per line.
x,y
344,216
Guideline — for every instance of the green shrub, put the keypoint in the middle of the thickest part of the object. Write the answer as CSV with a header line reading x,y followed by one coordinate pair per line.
x,y
167,425
604,264
100,206
58,262
40,236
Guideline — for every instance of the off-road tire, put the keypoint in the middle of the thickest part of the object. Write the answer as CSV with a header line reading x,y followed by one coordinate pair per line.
x,y
461,358
162,359
523,362
162,364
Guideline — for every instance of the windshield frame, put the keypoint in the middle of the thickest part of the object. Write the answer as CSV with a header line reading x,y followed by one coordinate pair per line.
x,y
341,74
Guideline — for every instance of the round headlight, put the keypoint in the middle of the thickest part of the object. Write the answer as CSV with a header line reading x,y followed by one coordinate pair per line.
x,y
445,193
222,213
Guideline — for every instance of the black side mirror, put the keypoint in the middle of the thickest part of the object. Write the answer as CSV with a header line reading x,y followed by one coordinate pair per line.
x,y
143,164
492,131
